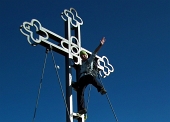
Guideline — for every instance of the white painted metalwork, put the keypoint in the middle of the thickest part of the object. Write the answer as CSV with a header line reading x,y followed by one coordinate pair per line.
x,y
69,46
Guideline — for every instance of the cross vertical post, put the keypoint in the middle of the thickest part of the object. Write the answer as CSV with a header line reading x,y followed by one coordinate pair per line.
x,y
77,68
69,97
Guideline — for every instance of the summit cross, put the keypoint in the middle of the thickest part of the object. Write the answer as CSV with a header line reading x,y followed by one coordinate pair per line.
x,y
68,46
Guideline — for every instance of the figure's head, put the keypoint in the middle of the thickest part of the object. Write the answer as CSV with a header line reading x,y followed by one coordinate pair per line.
x,y
83,55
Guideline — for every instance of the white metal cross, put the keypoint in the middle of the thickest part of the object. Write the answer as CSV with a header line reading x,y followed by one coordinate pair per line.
x,y
70,46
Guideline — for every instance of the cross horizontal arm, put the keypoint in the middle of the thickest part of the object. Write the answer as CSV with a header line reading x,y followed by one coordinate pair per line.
x,y
65,46
55,37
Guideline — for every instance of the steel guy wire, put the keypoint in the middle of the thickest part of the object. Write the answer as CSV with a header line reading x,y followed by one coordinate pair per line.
x,y
60,82
109,102
39,90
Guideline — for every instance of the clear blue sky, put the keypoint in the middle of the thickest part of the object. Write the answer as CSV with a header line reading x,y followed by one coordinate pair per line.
x,y
137,45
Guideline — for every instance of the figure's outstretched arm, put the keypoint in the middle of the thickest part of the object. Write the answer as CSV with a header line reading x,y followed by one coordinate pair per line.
x,y
102,41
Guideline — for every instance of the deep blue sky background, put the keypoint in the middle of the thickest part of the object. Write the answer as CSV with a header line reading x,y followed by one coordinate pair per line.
x,y
137,45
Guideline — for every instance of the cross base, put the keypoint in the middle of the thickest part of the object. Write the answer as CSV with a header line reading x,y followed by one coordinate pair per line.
x,y
77,116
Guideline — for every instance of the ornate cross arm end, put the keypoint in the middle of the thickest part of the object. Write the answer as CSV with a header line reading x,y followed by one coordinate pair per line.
x,y
30,29
106,68
72,16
